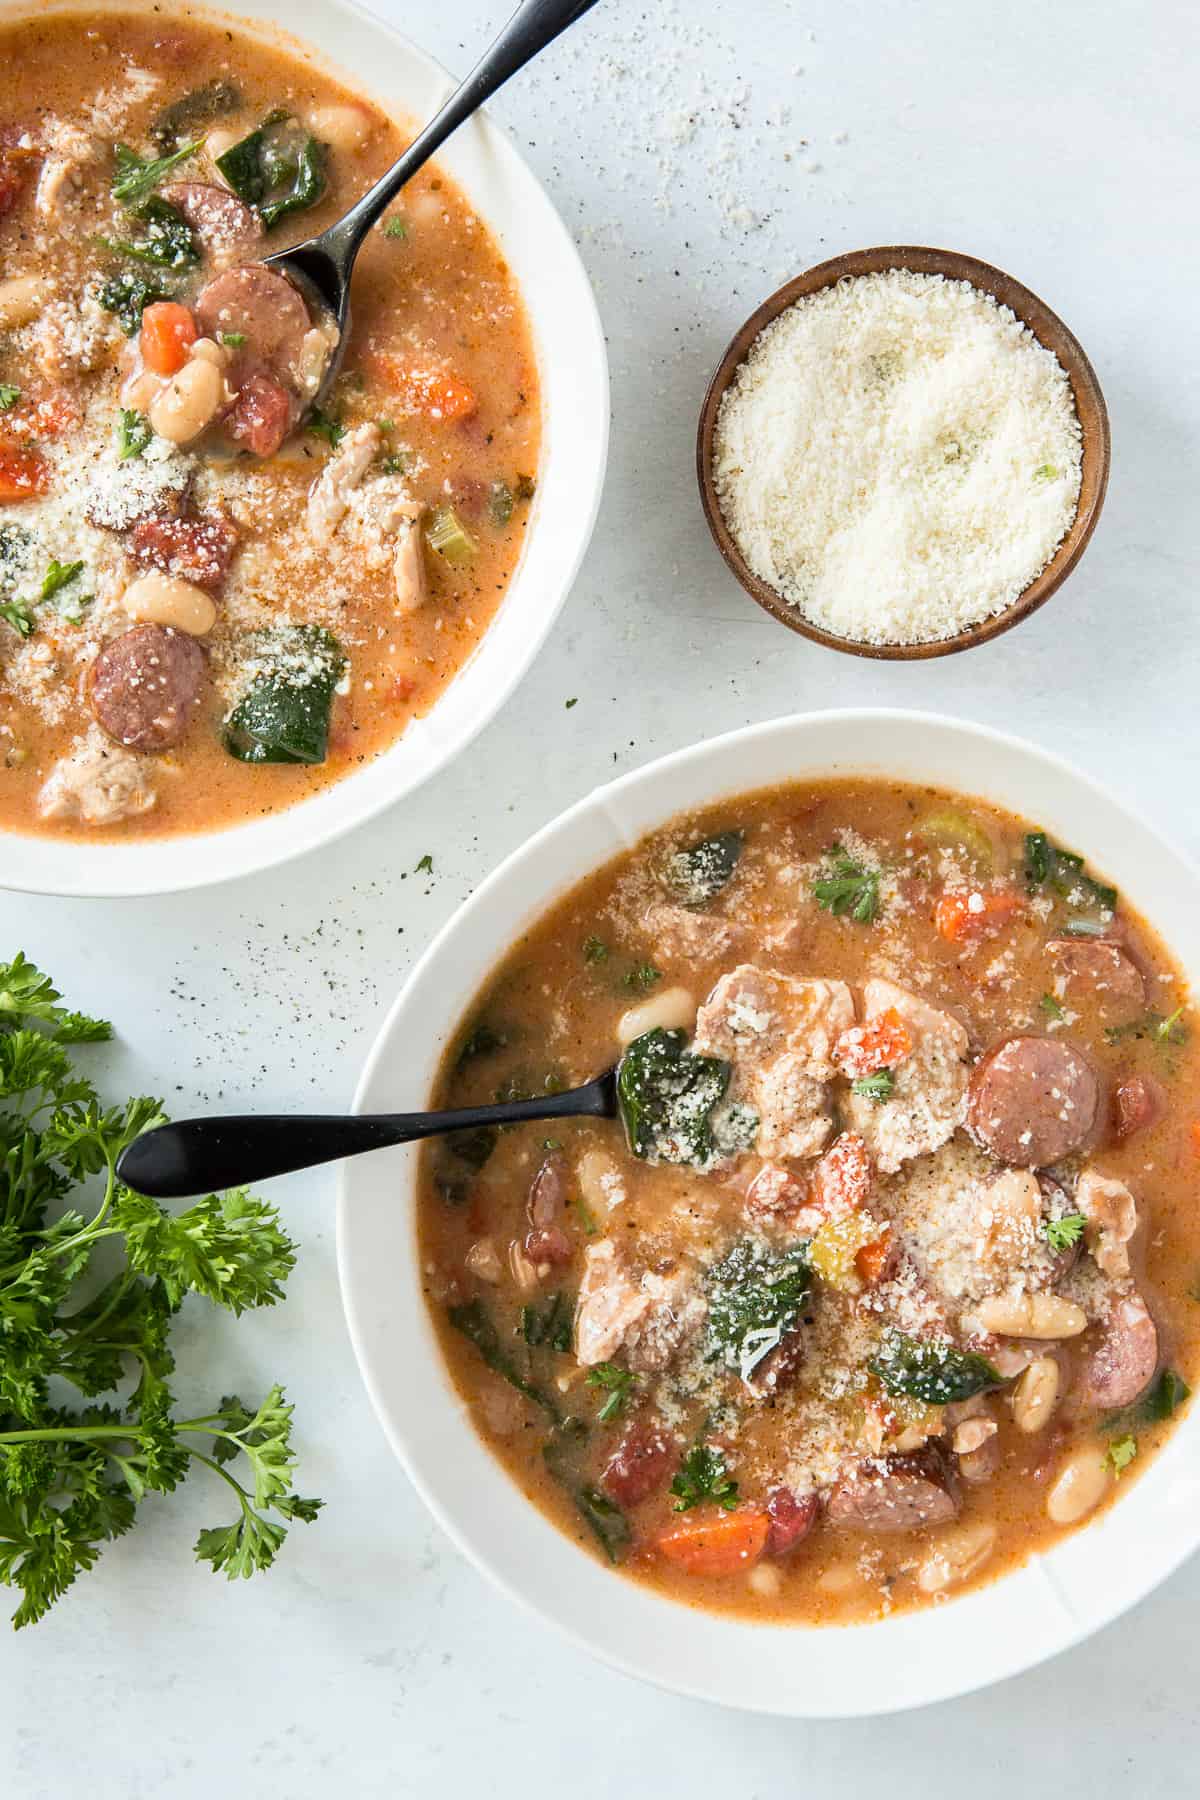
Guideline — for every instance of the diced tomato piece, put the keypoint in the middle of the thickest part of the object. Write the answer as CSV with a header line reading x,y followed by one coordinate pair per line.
x,y
716,1544
871,1260
963,916
199,549
428,391
168,333
46,415
879,1044
843,1176
792,1517
23,474
262,415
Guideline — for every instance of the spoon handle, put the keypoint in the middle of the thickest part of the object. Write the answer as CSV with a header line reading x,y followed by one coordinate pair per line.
x,y
200,1156
535,24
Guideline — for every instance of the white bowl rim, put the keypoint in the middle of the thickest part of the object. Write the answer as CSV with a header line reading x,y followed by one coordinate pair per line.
x,y
1054,1592
144,867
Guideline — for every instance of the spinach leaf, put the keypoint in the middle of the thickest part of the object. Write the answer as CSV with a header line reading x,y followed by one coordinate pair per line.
x,y
666,1098
168,240
553,1327
283,717
607,1521
1047,865
694,875
136,176
476,1325
473,1145
934,1372
561,1453
200,107
1159,1402
128,296
755,1296
278,168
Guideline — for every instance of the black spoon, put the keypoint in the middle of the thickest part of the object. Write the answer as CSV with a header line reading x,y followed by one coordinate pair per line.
x,y
322,266
201,1156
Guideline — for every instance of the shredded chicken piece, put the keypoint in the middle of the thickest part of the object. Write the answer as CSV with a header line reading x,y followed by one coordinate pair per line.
x,y
929,1087
69,151
330,497
409,563
1111,1214
98,783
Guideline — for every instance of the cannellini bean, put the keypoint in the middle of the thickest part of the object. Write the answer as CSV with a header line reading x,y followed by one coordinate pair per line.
x,y
208,350
523,1271
764,1580
141,389
169,600
483,1260
1035,1395
838,1578
1081,1484
673,1008
957,1556
22,299
600,1184
971,1434
217,142
1030,1316
190,401
344,128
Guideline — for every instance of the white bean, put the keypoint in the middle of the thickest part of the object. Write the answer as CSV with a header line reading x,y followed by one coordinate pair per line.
x,y
1080,1485
765,1580
208,350
674,1008
344,128
168,600
217,142
483,1260
957,1556
600,1184
1035,1395
190,401
1031,1316
22,299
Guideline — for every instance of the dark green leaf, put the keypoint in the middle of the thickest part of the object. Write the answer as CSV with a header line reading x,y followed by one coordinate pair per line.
x,y
849,889
200,107
136,176
167,241
755,1297
1048,865
698,873
704,1477
284,716
473,1320
128,296
667,1098
934,1372
134,432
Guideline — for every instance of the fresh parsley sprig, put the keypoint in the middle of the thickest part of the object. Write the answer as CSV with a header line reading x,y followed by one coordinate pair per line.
x,y
72,1477
616,1383
1062,1233
850,889
703,1476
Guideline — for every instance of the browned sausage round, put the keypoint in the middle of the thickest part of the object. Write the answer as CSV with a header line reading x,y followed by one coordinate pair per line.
x,y
639,1464
1100,968
227,229
261,306
145,685
899,1493
1032,1101
199,549
1138,1101
1125,1355
792,1517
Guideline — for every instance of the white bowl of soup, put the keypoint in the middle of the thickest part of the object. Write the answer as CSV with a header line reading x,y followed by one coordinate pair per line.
x,y
863,1383
232,627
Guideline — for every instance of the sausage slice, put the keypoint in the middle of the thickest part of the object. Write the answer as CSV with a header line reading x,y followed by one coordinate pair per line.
x,y
1122,1364
262,414
1100,967
1032,1101
262,306
145,685
198,549
227,229
898,1493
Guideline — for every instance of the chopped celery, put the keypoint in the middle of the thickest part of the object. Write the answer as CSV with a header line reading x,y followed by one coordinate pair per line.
x,y
447,534
951,829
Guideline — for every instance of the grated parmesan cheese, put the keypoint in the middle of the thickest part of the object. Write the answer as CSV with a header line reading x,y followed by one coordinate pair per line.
x,y
898,456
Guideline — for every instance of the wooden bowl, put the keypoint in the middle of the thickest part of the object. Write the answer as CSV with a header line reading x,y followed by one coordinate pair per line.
x,y
1049,330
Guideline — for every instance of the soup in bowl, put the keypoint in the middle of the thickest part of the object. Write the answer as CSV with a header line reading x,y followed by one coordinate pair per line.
x,y
879,1292
219,598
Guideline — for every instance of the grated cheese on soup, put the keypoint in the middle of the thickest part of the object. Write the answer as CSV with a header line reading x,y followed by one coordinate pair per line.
x,y
898,457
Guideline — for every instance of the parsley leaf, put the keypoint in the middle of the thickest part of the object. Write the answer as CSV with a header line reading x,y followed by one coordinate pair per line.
x,y
850,888
233,340
595,950
9,395
1053,1008
57,576
425,866
396,227
1062,1233
877,1087
641,978
18,615
324,425
616,1384
134,432
704,1476
136,176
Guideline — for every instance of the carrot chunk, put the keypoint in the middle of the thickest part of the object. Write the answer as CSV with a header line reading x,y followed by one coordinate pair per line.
x,y
880,1044
168,333
719,1544
842,1178
872,1259
23,474
963,917
430,392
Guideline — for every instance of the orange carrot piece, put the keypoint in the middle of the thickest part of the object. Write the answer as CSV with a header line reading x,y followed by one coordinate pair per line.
x,y
1195,1136
716,1544
872,1260
428,391
23,474
963,918
168,333
879,1044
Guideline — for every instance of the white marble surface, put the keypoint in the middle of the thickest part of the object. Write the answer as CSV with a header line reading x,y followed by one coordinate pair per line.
x,y
1060,141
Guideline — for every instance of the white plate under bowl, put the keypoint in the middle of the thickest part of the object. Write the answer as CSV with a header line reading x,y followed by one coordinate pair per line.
x,y
1050,1603
371,57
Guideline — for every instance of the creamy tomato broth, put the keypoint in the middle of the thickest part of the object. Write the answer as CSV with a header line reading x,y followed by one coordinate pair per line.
x,y
212,599
889,1277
